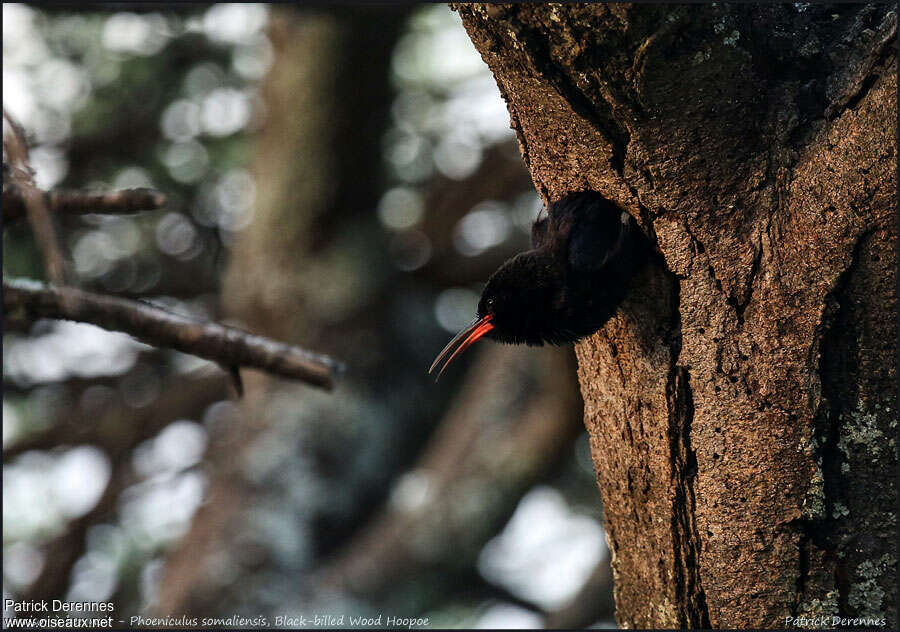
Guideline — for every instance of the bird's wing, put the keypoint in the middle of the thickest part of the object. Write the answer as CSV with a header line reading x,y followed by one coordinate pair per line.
x,y
539,232
596,238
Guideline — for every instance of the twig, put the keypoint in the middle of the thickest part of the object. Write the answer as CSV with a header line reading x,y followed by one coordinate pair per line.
x,y
230,347
33,199
84,202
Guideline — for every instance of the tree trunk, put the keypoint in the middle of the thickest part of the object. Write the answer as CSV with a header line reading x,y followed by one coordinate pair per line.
x,y
741,404
316,165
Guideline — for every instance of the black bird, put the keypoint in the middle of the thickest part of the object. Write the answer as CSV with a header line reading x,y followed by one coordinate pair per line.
x,y
567,286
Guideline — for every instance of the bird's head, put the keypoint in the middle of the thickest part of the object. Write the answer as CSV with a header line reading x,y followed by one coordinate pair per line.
x,y
518,305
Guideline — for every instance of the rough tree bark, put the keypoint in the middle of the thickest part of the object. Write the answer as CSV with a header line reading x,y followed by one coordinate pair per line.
x,y
742,405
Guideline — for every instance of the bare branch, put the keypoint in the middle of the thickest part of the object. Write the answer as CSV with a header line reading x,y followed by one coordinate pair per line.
x,y
84,202
33,201
230,347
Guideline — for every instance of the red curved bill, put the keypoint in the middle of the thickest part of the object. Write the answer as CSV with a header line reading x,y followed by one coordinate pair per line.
x,y
478,328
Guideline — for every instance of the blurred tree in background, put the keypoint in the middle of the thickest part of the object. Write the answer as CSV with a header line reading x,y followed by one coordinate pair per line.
x,y
341,178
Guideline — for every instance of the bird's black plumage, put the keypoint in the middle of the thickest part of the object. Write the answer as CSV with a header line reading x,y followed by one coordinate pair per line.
x,y
584,254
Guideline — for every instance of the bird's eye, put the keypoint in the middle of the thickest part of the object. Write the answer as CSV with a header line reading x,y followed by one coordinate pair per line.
x,y
490,304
